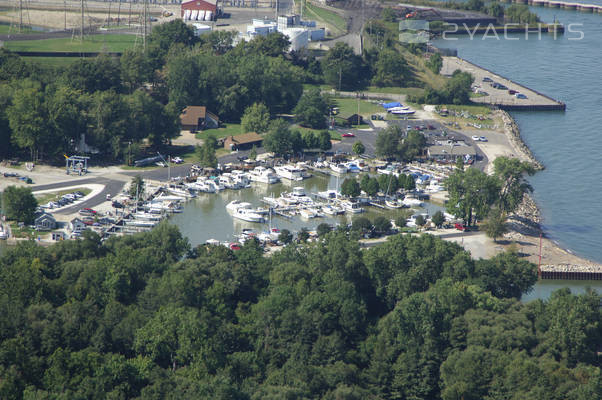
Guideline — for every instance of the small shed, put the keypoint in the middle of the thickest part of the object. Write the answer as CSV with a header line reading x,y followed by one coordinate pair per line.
x,y
243,142
45,222
76,225
197,118
355,119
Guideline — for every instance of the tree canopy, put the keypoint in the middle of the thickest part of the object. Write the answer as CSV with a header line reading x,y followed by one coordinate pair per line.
x,y
147,317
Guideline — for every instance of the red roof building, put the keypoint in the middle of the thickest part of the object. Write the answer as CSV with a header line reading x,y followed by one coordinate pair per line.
x,y
199,10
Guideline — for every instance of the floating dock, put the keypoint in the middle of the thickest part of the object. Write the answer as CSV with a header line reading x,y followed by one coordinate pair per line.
x,y
588,8
535,101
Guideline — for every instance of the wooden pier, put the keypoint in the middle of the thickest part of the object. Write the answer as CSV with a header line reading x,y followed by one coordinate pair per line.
x,y
571,272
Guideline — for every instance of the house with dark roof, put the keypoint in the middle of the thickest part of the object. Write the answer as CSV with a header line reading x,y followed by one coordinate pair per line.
x,y
243,142
45,222
197,118
450,152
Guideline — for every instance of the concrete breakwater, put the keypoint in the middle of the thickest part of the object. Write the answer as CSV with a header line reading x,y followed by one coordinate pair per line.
x,y
571,272
588,8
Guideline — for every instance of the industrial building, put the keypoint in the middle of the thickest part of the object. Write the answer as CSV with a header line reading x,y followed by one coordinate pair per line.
x,y
298,32
199,10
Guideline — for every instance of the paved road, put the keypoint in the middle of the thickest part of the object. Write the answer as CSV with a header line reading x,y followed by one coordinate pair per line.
x,y
112,187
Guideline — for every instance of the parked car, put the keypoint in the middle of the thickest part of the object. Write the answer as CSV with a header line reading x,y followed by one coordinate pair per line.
x,y
511,91
475,138
348,134
487,79
461,227
483,139
520,96
116,204
177,160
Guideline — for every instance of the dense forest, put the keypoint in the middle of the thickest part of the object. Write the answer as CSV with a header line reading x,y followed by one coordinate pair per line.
x,y
149,317
124,104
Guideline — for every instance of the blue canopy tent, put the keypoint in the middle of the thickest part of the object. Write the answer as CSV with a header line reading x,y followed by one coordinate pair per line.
x,y
391,105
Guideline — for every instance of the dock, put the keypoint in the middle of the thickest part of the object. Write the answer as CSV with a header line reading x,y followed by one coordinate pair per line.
x,y
587,8
535,100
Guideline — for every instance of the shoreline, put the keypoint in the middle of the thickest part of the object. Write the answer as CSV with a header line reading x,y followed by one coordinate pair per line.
x,y
525,224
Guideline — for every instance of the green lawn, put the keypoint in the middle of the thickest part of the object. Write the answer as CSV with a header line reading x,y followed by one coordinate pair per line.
x,y
227,129
348,106
396,90
93,43
337,23
5,29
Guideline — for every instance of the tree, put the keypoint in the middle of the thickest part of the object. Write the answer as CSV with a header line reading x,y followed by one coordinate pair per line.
x,y
173,32
358,148
435,62
27,117
303,235
272,45
382,224
495,225
475,5
391,69
350,187
280,140
324,140
388,141
136,187
511,173
342,68
253,153
438,219
471,192
388,15
135,69
310,140
361,225
323,229
256,118
369,185
311,110
19,204
285,236
206,153
420,220
402,220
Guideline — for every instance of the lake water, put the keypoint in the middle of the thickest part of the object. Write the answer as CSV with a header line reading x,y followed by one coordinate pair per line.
x,y
568,143
206,216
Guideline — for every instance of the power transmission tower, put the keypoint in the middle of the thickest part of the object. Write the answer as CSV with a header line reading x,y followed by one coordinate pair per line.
x,y
82,28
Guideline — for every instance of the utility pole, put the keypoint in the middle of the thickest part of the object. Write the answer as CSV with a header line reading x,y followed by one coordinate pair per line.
x,y
145,16
65,8
20,15
82,31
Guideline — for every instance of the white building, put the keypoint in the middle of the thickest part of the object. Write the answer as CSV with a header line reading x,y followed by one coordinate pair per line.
x,y
200,29
298,37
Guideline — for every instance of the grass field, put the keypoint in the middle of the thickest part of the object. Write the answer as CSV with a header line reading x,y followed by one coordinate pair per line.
x,y
5,29
348,106
337,24
94,43
226,130
53,61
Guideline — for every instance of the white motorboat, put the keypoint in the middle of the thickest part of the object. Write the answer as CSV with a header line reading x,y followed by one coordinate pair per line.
x,y
243,179
263,175
289,172
298,194
412,202
236,204
307,213
352,207
328,194
247,214
338,168
226,180
212,242
184,192
332,209
147,216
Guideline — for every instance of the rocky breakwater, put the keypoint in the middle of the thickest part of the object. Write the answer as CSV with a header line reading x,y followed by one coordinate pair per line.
x,y
512,132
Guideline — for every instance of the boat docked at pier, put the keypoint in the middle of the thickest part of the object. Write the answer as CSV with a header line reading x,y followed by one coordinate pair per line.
x,y
352,207
289,172
244,212
338,168
263,175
